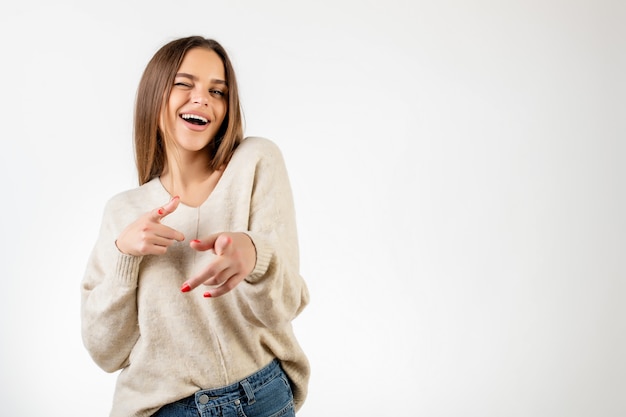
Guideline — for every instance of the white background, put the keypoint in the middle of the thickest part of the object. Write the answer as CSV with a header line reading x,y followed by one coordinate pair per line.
x,y
459,179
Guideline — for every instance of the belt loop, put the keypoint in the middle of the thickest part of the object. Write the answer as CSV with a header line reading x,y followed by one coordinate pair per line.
x,y
248,389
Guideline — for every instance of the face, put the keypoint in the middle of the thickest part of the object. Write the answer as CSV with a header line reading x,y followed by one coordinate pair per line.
x,y
197,103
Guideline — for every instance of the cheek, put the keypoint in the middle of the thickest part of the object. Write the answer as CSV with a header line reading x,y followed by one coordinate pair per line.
x,y
220,110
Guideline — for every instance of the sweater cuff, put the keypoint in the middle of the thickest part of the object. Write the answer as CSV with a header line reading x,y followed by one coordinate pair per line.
x,y
264,254
127,269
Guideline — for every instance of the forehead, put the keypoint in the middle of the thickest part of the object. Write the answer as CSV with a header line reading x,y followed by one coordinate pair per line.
x,y
203,63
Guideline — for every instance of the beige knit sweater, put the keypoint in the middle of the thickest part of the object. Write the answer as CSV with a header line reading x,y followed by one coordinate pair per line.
x,y
170,344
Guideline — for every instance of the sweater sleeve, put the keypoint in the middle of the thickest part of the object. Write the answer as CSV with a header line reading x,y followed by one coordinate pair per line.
x,y
274,293
108,299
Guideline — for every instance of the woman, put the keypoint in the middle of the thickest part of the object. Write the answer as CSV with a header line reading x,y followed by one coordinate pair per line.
x,y
215,211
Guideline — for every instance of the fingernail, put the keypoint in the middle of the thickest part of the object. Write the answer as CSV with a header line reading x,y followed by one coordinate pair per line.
x,y
195,241
185,287
207,295
160,211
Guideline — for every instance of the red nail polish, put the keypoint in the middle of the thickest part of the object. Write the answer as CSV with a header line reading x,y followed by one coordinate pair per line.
x,y
207,295
185,288
195,241
160,211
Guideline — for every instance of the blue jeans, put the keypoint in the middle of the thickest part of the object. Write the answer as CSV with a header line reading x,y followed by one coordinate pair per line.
x,y
266,393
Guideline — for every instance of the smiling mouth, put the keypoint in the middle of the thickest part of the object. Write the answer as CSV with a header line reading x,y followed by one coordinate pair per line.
x,y
194,119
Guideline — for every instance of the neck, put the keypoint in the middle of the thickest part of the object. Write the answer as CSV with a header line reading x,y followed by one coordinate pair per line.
x,y
190,178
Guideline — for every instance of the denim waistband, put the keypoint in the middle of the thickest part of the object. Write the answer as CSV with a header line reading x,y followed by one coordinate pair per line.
x,y
232,393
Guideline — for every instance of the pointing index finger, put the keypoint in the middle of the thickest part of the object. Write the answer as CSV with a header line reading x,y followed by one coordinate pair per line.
x,y
168,208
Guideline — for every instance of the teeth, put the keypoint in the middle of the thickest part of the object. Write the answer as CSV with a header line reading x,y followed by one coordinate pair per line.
x,y
194,116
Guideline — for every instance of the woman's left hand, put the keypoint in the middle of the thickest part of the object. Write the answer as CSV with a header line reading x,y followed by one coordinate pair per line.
x,y
235,260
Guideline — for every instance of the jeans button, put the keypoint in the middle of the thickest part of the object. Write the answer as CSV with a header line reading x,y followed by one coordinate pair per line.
x,y
203,399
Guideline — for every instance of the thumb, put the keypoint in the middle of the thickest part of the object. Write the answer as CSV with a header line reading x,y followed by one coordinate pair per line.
x,y
222,244
218,242
168,208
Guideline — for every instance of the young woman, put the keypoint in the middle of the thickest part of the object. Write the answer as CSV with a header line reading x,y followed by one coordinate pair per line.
x,y
194,280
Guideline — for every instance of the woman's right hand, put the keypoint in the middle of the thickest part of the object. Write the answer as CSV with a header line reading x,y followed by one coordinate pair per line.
x,y
147,236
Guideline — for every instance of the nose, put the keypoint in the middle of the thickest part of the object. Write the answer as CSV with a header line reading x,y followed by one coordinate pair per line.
x,y
200,97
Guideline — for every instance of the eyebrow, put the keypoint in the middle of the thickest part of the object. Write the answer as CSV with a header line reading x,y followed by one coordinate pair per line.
x,y
194,78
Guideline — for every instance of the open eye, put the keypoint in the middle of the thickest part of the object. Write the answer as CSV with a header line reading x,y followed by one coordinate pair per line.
x,y
216,93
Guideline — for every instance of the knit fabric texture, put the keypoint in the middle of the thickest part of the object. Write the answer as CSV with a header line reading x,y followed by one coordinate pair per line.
x,y
170,344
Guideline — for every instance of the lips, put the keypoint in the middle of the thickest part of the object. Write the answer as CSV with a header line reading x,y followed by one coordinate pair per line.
x,y
194,119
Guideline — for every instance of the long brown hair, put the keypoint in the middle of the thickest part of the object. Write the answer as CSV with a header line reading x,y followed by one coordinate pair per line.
x,y
155,87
